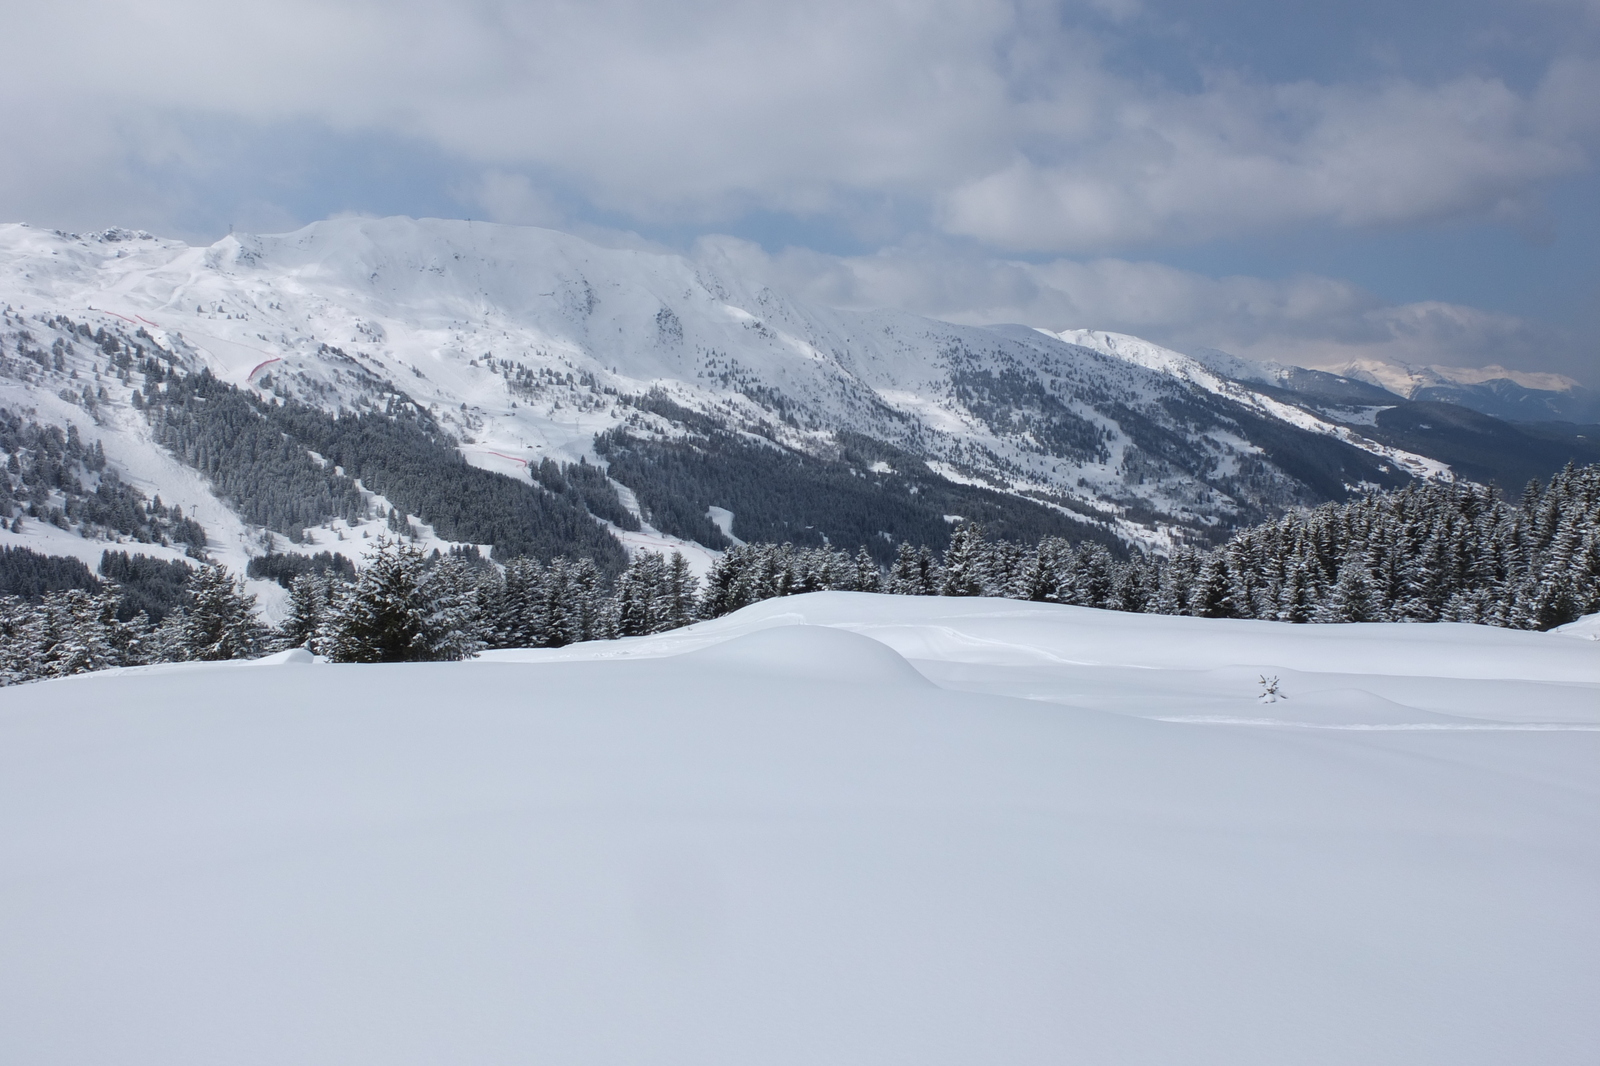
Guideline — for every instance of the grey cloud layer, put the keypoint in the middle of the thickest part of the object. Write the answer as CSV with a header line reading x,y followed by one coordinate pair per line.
x,y
1003,121
1237,158
1308,320
1006,123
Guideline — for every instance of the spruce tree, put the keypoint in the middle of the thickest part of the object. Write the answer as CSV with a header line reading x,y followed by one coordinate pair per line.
x,y
310,595
966,570
71,632
633,611
219,620
581,615
867,576
675,607
401,610
524,615
1036,579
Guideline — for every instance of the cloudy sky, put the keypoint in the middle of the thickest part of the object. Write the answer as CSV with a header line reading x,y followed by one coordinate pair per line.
x,y
1315,182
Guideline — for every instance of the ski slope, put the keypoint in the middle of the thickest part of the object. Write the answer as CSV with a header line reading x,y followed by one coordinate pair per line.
x,y
834,828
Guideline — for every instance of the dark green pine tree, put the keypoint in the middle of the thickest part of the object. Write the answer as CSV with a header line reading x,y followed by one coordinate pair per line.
x,y
523,621
309,598
219,621
1350,599
728,582
633,603
402,610
676,603
965,571
581,614
1036,578
866,577
1208,598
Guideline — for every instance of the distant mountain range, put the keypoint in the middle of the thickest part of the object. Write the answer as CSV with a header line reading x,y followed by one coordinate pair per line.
x,y
1516,396
718,409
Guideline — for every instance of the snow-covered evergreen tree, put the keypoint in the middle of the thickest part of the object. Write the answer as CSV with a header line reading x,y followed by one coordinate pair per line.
x,y
523,620
310,596
638,591
72,632
676,604
402,610
867,576
218,621
914,572
966,567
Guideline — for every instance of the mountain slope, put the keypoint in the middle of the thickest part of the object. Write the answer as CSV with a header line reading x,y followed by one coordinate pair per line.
x,y
517,345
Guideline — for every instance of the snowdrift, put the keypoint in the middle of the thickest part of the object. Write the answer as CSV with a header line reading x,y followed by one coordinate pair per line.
x,y
834,828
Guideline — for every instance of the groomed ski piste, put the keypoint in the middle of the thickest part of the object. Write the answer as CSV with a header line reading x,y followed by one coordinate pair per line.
x,y
836,828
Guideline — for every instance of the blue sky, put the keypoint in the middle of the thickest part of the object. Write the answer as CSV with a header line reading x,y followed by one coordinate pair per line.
x,y
1311,182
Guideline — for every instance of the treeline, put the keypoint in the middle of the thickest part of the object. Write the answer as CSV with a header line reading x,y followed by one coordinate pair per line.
x,y
231,437
76,631
1426,553
144,585
870,493
29,575
258,454
284,567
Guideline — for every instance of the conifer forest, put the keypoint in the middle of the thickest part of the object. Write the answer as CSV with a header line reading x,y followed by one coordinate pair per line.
x,y
1427,553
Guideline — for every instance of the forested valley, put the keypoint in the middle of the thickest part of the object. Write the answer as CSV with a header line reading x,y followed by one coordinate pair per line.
x,y
1427,553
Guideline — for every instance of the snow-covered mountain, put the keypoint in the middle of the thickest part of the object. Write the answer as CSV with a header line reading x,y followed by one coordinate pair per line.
x,y
1517,395
523,344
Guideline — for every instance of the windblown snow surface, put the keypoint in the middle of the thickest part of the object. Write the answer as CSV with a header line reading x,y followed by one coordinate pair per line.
x,y
835,828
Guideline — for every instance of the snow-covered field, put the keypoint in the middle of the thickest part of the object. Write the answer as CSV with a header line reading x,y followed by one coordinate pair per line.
x,y
834,829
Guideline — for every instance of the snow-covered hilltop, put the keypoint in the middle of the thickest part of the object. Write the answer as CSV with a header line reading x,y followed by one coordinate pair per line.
x,y
721,408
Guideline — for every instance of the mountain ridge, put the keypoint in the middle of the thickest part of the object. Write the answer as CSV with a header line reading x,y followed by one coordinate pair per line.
x,y
523,345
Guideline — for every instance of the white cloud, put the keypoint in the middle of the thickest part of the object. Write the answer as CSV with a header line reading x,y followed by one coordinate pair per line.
x,y
1003,121
1306,320
513,198
998,116
1240,158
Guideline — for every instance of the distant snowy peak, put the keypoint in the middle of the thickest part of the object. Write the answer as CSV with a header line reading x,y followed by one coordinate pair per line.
x,y
1404,379
1514,395
1141,352
1191,370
